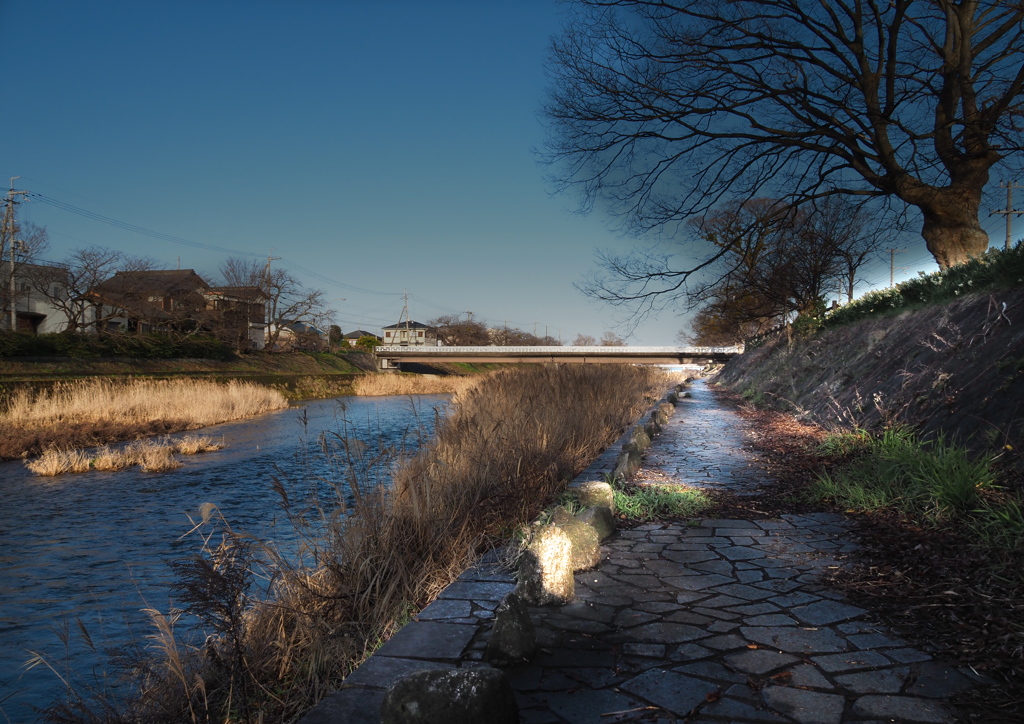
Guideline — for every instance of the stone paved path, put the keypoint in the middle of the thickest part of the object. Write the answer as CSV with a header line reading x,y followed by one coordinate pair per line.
x,y
714,621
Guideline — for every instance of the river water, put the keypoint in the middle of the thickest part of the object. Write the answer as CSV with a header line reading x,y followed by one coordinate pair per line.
x,y
94,547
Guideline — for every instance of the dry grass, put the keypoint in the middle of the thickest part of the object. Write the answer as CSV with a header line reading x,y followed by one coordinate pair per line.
x,y
85,414
195,403
402,384
510,445
110,459
193,444
152,456
57,462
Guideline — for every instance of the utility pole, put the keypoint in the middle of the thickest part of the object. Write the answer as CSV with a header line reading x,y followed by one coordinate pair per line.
x,y
892,265
1009,211
271,308
7,229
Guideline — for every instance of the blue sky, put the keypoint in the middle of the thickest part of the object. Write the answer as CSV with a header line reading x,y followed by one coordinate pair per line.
x,y
384,145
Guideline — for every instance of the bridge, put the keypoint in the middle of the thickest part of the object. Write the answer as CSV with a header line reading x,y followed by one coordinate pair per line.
x,y
390,357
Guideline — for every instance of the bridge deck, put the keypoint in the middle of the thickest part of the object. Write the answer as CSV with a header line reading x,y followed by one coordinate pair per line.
x,y
577,355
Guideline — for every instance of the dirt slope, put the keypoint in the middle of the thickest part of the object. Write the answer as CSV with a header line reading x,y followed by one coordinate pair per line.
x,y
957,368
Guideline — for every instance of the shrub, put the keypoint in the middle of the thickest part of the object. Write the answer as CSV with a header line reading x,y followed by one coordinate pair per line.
x,y
88,346
995,269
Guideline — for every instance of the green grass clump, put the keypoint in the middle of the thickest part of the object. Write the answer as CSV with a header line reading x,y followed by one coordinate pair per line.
x,y
652,501
931,481
841,444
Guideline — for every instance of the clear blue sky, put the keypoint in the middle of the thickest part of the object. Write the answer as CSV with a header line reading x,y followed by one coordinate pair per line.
x,y
384,144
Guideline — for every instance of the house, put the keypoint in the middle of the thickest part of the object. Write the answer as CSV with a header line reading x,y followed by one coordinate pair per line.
x,y
409,334
152,300
238,314
353,337
38,290
298,336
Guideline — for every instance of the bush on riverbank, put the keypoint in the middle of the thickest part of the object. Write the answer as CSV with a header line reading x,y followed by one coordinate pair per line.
x,y
81,414
509,446
90,346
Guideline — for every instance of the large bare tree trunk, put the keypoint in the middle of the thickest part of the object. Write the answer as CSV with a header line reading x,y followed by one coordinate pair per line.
x,y
951,228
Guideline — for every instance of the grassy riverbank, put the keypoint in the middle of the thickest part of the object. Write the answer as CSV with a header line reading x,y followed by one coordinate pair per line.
x,y
506,450
296,375
86,413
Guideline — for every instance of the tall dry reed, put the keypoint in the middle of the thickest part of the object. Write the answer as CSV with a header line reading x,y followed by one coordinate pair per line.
x,y
195,403
153,456
509,446
398,384
87,414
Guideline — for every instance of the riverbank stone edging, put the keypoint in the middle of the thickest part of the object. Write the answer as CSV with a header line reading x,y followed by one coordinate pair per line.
x,y
454,629
714,620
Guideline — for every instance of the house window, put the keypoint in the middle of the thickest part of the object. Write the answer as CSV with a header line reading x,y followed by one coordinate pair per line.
x,y
387,334
420,334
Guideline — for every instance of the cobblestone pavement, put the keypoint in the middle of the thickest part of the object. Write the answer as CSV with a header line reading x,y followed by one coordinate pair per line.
x,y
702,621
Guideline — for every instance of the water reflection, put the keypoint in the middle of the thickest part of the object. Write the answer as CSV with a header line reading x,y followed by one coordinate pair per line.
x,y
95,545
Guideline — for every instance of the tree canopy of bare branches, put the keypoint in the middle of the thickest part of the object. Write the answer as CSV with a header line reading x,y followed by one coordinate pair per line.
x,y
68,285
665,108
453,331
287,300
779,262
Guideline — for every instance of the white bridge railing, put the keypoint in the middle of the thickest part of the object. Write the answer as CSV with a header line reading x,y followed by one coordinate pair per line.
x,y
385,350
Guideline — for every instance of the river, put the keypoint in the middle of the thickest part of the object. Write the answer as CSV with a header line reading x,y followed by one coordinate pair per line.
x,y
94,546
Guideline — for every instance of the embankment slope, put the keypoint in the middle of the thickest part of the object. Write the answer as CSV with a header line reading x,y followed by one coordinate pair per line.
x,y
956,368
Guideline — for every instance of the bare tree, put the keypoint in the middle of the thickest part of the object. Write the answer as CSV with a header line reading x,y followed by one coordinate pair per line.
x,y
287,300
778,262
453,331
513,337
584,340
664,108
69,285
610,339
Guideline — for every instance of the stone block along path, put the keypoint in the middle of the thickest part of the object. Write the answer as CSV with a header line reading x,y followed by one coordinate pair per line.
x,y
701,621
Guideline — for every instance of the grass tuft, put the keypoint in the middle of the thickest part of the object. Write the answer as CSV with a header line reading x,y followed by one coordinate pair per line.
x,y
153,456
55,461
933,481
655,501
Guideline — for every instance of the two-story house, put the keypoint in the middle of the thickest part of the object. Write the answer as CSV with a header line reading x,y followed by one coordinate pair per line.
x,y
409,334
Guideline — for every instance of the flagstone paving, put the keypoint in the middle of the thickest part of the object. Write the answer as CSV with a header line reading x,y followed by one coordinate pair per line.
x,y
703,621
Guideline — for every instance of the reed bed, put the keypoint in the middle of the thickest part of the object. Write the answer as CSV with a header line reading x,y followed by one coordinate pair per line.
x,y
506,450
196,403
153,456
405,384
89,413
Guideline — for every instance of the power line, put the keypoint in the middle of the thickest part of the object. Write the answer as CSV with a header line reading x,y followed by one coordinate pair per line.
x,y
56,203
